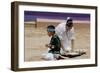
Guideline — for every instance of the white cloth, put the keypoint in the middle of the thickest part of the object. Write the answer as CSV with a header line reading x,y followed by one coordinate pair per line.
x,y
50,56
64,36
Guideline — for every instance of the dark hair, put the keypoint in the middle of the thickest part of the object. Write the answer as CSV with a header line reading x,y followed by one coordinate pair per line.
x,y
69,22
51,28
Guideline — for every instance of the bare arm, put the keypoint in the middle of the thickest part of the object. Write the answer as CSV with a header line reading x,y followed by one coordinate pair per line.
x,y
62,47
72,44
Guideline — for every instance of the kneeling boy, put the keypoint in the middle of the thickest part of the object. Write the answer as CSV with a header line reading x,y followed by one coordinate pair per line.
x,y
54,45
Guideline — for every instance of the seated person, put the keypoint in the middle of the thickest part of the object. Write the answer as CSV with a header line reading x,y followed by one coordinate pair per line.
x,y
54,46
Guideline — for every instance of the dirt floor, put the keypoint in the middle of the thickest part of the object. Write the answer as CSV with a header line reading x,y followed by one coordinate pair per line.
x,y
36,38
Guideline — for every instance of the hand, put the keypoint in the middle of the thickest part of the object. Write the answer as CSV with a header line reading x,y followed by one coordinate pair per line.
x,y
47,45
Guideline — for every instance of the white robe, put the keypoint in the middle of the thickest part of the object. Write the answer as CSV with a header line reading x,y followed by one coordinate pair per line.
x,y
64,36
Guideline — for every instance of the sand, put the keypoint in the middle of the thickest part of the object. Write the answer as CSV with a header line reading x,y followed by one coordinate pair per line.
x,y
36,38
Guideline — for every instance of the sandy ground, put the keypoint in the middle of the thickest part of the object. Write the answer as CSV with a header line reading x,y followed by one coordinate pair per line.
x,y
36,38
